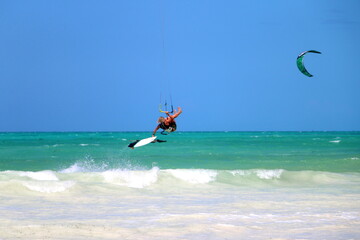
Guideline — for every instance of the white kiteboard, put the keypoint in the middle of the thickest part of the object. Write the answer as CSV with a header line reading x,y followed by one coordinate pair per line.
x,y
142,142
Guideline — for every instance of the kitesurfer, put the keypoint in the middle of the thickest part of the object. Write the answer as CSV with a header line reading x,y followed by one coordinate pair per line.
x,y
168,123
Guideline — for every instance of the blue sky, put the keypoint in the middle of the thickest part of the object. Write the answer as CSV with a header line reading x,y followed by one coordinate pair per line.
x,y
231,65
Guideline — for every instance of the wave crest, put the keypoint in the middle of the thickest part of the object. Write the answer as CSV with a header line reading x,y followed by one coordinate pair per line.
x,y
54,182
194,176
134,179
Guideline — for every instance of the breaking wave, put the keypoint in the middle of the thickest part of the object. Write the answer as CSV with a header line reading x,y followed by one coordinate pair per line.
x,y
78,176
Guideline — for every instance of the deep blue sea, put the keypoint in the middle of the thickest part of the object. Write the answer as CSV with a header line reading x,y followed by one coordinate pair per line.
x,y
196,185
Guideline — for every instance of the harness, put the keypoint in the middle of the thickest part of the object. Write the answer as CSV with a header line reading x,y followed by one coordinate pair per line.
x,y
167,129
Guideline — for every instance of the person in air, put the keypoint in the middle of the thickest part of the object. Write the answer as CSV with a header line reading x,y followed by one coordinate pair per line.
x,y
168,123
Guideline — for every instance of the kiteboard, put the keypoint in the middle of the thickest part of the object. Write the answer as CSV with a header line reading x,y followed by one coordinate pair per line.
x,y
142,142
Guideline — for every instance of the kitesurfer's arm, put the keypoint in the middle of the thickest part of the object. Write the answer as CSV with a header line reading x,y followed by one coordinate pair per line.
x,y
154,132
179,111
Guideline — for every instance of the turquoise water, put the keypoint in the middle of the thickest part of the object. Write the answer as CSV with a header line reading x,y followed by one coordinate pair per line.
x,y
317,151
197,185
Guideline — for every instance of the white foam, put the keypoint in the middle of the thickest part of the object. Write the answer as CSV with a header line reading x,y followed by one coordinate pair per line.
x,y
133,179
49,186
260,173
335,141
87,165
46,175
240,172
194,175
72,169
269,174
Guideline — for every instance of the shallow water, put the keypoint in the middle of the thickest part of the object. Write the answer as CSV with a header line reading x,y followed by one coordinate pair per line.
x,y
236,185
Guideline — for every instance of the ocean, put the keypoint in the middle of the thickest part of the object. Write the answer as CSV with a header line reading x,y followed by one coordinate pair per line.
x,y
196,185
